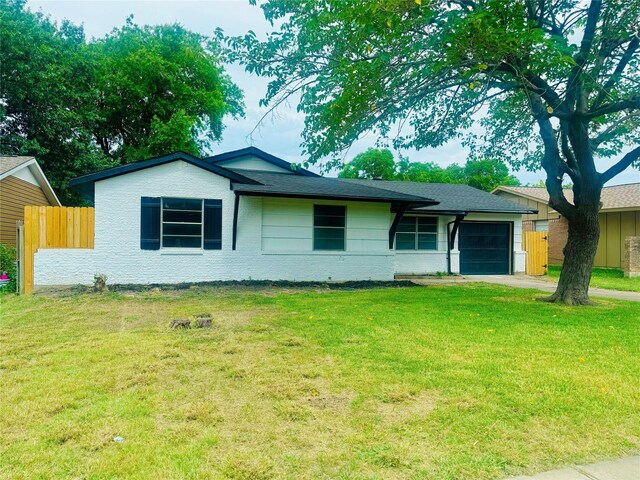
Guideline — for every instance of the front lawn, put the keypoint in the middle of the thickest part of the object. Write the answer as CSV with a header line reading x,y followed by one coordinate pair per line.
x,y
465,382
609,278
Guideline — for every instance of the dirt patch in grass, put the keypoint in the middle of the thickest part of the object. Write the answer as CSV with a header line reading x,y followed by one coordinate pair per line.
x,y
242,286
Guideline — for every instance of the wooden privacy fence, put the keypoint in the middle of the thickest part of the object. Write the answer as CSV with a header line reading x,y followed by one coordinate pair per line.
x,y
536,244
53,227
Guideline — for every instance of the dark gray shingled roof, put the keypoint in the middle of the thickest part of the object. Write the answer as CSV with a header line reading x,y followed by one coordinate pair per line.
x,y
452,198
287,185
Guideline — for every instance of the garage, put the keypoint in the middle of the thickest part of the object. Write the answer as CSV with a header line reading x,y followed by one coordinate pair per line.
x,y
485,248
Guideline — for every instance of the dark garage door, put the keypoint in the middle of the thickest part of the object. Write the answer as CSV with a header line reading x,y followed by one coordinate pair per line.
x,y
485,248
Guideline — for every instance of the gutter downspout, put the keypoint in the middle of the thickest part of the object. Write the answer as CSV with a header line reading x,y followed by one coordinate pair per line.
x,y
236,204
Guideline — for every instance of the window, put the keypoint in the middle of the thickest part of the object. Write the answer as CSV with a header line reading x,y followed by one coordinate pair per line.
x,y
328,227
181,223
417,233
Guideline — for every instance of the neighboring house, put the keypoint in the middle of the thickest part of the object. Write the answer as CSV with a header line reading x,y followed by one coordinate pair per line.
x,y
22,182
619,218
250,215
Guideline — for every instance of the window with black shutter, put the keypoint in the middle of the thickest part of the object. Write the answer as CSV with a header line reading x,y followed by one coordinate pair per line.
x,y
181,223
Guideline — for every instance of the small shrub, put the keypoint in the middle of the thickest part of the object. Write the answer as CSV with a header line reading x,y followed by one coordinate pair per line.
x,y
8,265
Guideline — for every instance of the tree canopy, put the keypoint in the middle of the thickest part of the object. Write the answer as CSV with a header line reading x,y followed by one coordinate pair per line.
x,y
541,83
432,66
80,106
485,174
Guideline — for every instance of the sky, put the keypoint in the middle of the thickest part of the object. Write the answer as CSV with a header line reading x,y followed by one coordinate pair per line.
x,y
280,133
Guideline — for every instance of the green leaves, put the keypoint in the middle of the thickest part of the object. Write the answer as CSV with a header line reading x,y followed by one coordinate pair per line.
x,y
81,106
485,174
436,71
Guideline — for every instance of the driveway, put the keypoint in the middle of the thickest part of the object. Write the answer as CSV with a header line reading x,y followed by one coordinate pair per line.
x,y
521,281
624,469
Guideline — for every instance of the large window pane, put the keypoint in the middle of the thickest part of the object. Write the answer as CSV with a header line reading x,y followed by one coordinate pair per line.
x,y
170,241
181,223
405,241
328,215
182,216
407,224
329,227
427,224
181,204
427,242
190,229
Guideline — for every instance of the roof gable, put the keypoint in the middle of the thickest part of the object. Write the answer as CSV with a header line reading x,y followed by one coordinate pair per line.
x,y
85,183
229,160
13,165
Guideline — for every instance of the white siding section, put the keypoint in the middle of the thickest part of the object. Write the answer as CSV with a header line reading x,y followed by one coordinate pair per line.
x,y
26,175
251,162
287,226
117,250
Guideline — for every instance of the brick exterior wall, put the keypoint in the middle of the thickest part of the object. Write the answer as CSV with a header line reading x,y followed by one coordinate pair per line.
x,y
527,226
558,234
631,262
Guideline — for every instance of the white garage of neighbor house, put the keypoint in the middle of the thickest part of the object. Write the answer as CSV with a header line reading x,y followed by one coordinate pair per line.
x,y
247,215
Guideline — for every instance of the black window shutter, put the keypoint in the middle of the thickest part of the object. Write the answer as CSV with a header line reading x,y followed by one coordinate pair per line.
x,y
212,225
150,223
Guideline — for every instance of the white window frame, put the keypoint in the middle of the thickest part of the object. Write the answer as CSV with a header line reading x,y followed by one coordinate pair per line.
x,y
313,226
162,222
416,233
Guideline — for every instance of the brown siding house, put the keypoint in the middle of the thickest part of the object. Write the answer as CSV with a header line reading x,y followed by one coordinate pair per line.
x,y
619,218
22,182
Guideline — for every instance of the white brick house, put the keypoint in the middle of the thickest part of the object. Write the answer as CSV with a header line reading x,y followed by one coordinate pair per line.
x,y
248,215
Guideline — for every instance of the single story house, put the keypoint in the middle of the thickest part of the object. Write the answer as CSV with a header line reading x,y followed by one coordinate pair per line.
x,y
619,219
22,182
249,215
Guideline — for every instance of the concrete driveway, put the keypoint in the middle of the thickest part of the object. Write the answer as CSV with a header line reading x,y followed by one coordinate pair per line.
x,y
624,469
521,281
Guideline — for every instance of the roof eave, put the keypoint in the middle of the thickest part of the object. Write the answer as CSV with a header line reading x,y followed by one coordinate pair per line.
x,y
319,196
466,212
47,189
80,183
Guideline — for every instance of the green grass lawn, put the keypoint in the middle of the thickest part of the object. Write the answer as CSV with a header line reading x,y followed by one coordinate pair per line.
x,y
609,278
464,382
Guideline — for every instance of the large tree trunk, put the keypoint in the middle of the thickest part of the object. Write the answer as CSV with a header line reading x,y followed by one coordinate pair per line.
x,y
579,253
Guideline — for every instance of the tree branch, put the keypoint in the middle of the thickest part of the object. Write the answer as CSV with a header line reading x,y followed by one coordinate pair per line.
x,y
627,160
538,87
610,132
552,163
574,86
617,73
627,104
